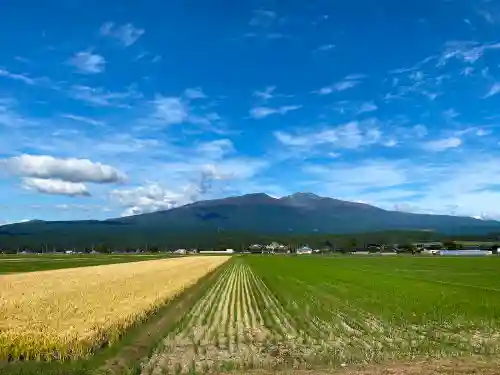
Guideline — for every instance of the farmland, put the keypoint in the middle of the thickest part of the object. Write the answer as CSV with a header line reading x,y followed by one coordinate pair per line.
x,y
279,312
43,262
67,313
276,312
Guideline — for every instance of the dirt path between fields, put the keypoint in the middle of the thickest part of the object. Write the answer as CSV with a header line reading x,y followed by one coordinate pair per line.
x,y
151,332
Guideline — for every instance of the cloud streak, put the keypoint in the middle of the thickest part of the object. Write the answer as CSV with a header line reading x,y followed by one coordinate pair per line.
x,y
125,34
259,113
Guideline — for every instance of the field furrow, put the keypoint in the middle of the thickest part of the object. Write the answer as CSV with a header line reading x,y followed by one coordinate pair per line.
x,y
237,335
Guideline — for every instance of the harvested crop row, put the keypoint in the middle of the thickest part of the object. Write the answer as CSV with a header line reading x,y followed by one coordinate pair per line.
x,y
67,313
238,323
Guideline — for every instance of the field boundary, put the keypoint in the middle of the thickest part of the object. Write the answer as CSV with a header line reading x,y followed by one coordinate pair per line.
x,y
145,337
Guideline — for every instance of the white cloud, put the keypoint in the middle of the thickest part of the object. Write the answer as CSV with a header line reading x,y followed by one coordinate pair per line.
x,y
442,144
494,89
420,130
482,132
184,188
349,136
355,76
391,143
70,170
463,187
367,107
338,87
194,93
9,117
125,34
216,149
17,77
170,110
349,178
450,114
56,187
467,71
263,18
467,51
265,95
325,47
149,198
86,120
97,96
88,63
262,112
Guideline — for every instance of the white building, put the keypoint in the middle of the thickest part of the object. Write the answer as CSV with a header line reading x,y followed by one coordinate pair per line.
x,y
304,250
227,251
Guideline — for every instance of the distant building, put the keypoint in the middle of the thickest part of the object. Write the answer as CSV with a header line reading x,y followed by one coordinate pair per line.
x,y
227,251
304,250
255,248
435,245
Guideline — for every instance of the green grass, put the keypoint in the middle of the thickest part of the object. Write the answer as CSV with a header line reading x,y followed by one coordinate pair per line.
x,y
44,262
384,308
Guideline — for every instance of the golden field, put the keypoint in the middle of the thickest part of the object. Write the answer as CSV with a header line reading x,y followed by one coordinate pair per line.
x,y
67,313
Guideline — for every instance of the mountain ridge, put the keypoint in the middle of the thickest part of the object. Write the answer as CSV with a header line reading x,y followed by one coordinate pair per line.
x,y
298,213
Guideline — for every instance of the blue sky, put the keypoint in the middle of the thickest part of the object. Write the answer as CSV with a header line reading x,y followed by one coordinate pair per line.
x,y
114,108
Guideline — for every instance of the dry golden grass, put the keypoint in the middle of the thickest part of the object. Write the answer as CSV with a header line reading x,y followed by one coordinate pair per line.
x,y
67,313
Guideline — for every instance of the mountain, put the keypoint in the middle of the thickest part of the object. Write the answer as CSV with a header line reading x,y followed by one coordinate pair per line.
x,y
299,213
251,214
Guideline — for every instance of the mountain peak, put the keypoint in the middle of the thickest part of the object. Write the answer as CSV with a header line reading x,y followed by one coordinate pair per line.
x,y
304,195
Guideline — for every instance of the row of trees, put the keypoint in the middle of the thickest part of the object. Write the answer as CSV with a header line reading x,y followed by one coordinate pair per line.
x,y
109,239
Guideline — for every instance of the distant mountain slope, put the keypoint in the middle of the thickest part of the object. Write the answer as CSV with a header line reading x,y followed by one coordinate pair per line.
x,y
254,214
299,213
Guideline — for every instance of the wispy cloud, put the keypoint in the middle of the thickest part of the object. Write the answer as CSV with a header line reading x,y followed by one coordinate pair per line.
x,y
343,85
88,63
494,90
100,97
17,77
442,144
347,136
263,18
266,94
325,48
194,93
367,107
262,112
11,118
466,51
420,130
125,34
267,35
450,114
170,110
86,120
